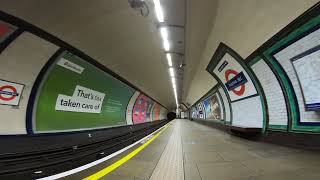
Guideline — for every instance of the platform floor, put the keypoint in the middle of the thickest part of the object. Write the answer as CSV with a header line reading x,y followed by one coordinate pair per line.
x,y
191,151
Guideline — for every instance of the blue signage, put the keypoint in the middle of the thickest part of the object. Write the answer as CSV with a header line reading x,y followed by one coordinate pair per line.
x,y
313,107
236,81
223,65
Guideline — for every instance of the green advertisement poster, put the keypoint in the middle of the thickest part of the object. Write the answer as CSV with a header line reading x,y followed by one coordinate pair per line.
x,y
76,95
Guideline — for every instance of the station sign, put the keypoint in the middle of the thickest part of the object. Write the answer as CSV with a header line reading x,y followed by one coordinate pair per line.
x,y
238,80
10,93
234,77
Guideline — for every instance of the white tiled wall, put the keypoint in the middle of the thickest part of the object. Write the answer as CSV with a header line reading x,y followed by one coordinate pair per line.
x,y
284,56
275,100
247,112
226,104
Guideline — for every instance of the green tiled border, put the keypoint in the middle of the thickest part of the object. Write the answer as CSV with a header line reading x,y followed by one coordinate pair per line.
x,y
278,127
293,107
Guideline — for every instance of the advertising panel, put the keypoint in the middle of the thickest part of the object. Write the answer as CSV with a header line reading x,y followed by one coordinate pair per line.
x,y
142,109
194,112
156,112
307,66
76,95
200,111
213,107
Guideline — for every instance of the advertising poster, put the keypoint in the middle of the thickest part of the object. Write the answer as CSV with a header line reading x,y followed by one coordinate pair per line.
x,y
142,109
156,112
307,66
76,95
150,110
194,112
200,111
212,107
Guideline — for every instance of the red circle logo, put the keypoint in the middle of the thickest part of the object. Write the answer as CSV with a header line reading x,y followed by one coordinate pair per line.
x,y
12,93
242,87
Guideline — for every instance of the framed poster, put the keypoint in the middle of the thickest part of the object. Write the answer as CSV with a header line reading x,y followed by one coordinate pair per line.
x,y
76,95
142,109
288,55
200,109
306,66
212,106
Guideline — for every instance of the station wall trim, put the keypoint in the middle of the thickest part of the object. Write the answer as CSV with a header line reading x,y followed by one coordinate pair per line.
x,y
306,24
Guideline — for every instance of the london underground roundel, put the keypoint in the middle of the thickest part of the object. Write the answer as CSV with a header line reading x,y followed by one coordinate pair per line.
x,y
229,74
10,92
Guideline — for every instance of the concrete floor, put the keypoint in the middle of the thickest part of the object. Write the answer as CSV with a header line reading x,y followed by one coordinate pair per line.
x,y
211,154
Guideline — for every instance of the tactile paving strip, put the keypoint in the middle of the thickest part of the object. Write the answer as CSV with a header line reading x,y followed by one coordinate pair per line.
x,y
170,165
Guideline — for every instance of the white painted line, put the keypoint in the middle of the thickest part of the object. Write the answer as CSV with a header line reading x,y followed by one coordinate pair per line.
x,y
94,163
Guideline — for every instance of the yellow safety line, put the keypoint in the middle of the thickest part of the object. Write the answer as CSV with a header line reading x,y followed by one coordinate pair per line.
x,y
115,165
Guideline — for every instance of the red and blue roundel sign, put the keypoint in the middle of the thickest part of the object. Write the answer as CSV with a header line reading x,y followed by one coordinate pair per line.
x,y
235,81
10,92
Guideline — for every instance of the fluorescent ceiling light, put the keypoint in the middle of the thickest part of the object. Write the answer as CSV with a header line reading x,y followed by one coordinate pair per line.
x,y
173,80
171,72
169,59
159,12
174,87
164,33
166,45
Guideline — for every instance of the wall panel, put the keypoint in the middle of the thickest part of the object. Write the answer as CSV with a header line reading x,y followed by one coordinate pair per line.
x,y
247,113
21,62
277,110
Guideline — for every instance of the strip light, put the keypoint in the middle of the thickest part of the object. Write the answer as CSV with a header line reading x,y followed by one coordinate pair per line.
x,y
159,12
169,60
171,72
166,46
164,35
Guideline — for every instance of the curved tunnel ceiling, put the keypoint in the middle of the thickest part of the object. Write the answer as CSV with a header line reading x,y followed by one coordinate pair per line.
x,y
120,38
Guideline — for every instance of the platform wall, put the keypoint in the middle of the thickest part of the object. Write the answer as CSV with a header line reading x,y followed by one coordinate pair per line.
x,y
63,89
284,72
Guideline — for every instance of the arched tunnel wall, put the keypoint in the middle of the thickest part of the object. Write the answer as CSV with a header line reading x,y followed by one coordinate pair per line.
x,y
58,101
55,80
279,80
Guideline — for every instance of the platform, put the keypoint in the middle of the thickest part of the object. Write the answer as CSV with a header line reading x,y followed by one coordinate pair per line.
x,y
191,151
